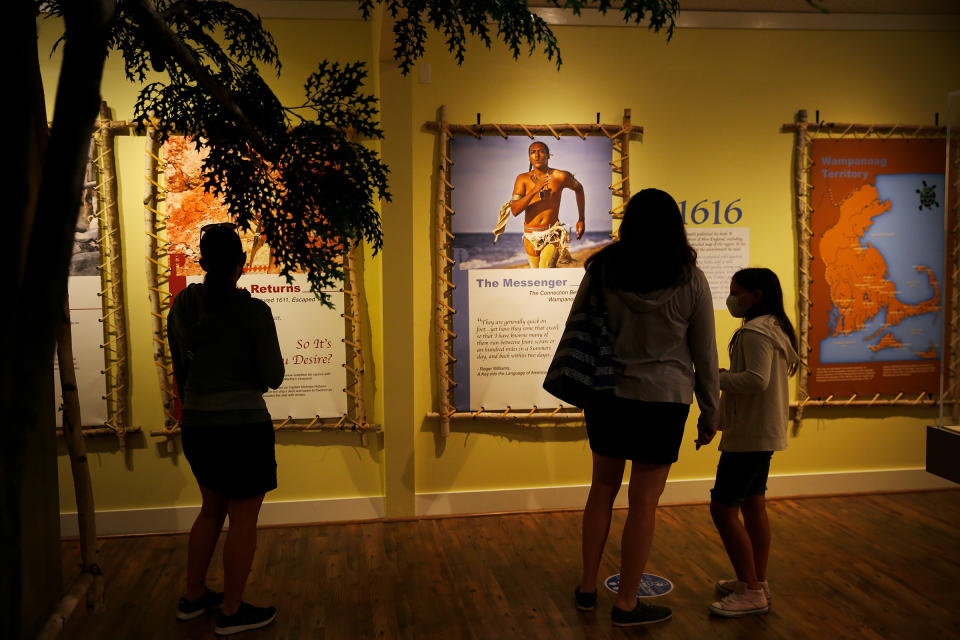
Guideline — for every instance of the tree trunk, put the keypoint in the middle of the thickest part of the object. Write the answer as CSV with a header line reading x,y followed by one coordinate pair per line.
x,y
42,210
73,436
22,169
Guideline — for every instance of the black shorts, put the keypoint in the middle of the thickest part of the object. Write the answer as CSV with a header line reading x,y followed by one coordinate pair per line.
x,y
647,432
236,461
741,474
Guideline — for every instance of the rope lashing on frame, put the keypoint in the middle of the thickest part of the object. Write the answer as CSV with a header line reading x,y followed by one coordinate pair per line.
x,y
160,189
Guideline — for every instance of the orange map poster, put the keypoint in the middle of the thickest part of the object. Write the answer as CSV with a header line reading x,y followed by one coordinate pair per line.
x,y
878,279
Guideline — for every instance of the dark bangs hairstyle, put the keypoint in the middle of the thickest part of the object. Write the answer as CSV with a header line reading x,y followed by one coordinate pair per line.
x,y
771,301
652,252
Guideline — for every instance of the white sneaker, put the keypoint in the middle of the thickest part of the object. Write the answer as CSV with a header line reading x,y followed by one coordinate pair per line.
x,y
742,602
725,587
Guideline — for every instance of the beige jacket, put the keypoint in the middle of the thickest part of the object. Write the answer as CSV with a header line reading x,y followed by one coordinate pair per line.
x,y
756,395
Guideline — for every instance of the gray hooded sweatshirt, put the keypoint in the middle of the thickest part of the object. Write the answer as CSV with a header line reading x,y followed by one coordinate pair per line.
x,y
224,358
664,343
756,395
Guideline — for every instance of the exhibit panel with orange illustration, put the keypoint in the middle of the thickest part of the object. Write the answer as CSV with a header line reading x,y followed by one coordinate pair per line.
x,y
311,334
879,282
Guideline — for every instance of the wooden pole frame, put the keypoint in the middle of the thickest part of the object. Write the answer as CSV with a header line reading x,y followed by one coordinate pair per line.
x,y
446,412
805,132
115,346
158,274
950,377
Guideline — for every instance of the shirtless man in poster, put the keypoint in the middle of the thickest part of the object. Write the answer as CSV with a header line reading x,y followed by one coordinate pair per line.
x,y
537,194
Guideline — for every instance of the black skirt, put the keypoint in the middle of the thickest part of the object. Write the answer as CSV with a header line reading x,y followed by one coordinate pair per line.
x,y
637,430
236,461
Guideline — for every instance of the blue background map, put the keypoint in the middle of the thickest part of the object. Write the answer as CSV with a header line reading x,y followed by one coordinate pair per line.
x,y
905,236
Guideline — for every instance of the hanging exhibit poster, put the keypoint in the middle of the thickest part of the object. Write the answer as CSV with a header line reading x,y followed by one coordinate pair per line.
x,y
877,269
528,214
84,288
311,335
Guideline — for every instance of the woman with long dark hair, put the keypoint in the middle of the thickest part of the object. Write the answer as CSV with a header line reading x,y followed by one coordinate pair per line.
x,y
664,351
225,356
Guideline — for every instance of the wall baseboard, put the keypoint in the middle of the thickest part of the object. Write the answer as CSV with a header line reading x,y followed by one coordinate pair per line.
x,y
170,519
173,519
678,491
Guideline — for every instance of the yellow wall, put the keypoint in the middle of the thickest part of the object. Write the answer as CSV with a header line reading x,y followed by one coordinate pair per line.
x,y
711,103
316,465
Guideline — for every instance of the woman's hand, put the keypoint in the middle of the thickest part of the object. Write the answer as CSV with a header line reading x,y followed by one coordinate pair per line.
x,y
705,435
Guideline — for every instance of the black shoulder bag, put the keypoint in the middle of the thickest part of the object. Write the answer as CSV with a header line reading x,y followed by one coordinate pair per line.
x,y
581,372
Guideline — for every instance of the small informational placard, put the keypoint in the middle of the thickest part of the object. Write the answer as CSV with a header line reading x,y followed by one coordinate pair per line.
x,y
721,252
311,341
516,318
651,585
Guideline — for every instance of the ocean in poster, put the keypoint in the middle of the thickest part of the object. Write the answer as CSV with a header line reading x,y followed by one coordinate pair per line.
x,y
478,251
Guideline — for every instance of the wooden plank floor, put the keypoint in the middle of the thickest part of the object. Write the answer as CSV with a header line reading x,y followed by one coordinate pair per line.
x,y
873,567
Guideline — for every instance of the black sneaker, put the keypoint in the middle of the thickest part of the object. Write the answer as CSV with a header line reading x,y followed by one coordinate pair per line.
x,y
641,614
585,601
190,609
246,618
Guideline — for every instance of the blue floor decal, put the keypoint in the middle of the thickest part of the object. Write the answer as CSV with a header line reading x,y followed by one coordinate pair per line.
x,y
650,586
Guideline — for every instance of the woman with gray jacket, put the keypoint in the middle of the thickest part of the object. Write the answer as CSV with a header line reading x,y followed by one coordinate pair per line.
x,y
664,352
225,356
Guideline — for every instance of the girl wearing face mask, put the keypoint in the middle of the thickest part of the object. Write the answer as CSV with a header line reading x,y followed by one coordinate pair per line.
x,y
754,410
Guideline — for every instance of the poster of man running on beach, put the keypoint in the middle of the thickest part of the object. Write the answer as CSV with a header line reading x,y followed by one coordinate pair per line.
x,y
491,172
529,212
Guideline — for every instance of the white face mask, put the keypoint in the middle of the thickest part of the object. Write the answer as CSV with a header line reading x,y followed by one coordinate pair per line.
x,y
733,305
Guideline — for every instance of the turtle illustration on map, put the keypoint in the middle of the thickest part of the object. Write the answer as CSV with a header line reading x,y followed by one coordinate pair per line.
x,y
928,196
